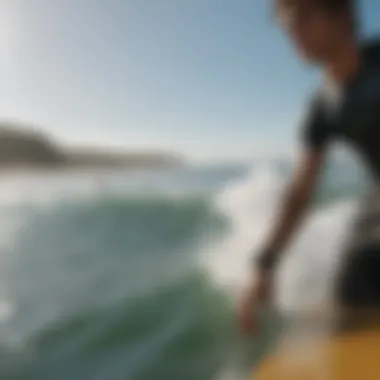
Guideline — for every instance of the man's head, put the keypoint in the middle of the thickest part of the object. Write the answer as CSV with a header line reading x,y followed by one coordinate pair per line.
x,y
317,27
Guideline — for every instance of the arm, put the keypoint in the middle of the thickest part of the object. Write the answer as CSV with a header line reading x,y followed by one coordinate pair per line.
x,y
315,136
296,200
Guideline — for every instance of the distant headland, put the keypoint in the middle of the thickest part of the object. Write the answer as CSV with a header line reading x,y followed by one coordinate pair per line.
x,y
25,147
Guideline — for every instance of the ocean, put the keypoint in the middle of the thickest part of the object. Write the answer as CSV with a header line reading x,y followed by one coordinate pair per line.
x,y
134,275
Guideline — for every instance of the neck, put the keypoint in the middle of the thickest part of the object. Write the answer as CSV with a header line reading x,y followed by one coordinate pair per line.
x,y
344,63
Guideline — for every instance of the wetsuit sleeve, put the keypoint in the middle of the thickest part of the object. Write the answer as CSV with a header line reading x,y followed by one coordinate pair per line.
x,y
314,128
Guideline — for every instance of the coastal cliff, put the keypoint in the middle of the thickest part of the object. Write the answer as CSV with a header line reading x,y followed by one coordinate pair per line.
x,y
26,147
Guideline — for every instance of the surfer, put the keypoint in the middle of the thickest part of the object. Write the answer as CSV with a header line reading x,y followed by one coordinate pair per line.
x,y
346,107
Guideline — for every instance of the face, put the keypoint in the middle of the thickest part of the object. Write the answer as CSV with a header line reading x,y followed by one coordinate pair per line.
x,y
314,31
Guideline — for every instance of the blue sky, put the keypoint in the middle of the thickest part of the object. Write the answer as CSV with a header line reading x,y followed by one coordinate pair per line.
x,y
209,78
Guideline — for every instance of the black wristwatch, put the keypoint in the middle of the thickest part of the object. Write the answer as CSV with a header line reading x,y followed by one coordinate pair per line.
x,y
266,260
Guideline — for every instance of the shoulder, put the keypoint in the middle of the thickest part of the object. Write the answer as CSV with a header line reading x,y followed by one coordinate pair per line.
x,y
370,49
370,81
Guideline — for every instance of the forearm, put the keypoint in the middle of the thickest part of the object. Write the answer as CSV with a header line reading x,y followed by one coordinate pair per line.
x,y
293,210
295,204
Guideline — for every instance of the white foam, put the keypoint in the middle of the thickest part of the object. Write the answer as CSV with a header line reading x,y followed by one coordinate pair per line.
x,y
305,276
6,311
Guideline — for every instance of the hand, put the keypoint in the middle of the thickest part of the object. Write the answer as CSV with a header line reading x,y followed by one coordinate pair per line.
x,y
257,293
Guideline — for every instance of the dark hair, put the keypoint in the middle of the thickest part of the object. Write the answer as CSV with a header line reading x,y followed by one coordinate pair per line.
x,y
338,4
349,6
328,4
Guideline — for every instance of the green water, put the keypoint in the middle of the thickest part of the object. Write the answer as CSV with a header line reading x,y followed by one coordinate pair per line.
x,y
106,283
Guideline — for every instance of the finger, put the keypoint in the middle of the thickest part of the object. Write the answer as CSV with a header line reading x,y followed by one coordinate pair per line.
x,y
265,295
243,321
248,324
246,327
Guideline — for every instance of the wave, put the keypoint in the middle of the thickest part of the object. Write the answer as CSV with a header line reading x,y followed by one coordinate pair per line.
x,y
125,278
218,230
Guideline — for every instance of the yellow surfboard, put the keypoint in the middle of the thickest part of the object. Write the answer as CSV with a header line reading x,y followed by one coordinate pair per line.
x,y
352,355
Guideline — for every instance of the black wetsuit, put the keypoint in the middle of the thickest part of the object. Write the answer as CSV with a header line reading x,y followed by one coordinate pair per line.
x,y
351,113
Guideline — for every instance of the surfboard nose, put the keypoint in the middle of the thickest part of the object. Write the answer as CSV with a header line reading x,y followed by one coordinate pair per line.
x,y
348,356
